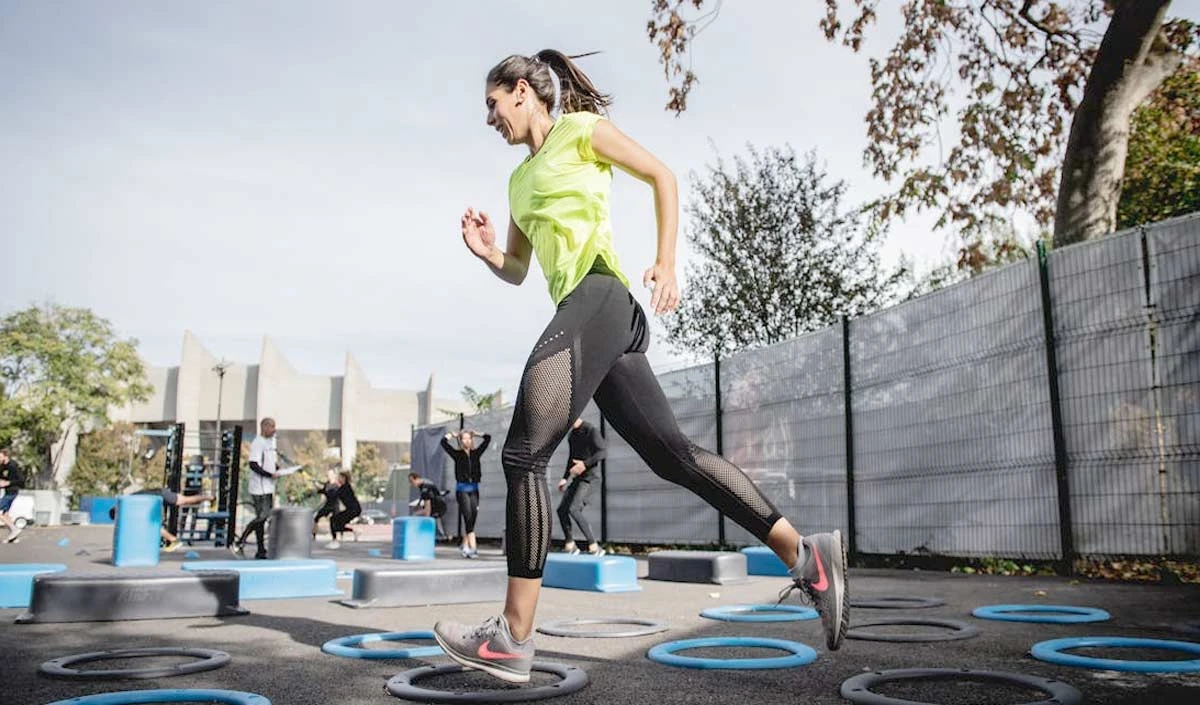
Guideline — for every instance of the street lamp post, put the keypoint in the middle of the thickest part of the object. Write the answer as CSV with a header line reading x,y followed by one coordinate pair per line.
x,y
220,368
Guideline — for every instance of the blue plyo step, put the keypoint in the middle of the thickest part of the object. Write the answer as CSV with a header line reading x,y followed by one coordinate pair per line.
x,y
414,538
761,560
16,581
594,573
267,580
136,536
717,567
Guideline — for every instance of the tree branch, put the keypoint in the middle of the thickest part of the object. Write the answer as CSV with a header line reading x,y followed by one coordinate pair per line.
x,y
1024,13
1161,61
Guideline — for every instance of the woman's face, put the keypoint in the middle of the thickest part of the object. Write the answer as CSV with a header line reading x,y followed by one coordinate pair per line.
x,y
508,110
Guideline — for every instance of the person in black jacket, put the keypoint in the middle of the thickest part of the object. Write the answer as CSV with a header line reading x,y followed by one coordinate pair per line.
x,y
467,474
329,490
350,508
587,449
11,482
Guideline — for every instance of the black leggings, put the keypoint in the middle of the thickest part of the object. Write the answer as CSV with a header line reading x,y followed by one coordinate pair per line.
x,y
574,501
326,509
468,509
263,503
338,522
595,348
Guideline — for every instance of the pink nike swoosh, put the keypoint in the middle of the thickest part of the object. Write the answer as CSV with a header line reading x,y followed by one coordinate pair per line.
x,y
485,652
822,583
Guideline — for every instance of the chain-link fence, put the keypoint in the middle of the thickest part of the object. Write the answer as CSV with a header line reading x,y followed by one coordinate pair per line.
x,y
1045,410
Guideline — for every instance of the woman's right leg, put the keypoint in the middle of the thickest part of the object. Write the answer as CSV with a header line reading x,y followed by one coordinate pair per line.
x,y
592,327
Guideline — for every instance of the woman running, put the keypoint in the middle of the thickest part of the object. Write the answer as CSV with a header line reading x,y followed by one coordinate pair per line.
x,y
594,348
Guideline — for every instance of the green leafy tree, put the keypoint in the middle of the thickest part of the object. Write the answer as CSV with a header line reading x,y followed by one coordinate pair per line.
x,y
61,369
369,472
778,255
996,246
313,455
481,402
1043,92
108,460
1162,170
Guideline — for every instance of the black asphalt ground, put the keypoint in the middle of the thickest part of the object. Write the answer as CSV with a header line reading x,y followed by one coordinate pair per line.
x,y
276,650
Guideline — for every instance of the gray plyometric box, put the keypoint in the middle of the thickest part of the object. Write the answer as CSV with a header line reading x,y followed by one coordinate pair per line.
x,y
718,567
436,582
289,533
109,597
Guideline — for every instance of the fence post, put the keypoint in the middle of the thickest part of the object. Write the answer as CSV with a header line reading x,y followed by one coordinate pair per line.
x,y
847,394
603,485
1065,531
720,436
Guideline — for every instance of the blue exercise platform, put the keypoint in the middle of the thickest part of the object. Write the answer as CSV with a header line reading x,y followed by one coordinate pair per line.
x,y
16,581
595,573
267,580
136,537
761,560
97,509
414,538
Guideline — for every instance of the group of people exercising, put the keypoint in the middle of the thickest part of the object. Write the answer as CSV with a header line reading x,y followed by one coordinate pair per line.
x,y
586,449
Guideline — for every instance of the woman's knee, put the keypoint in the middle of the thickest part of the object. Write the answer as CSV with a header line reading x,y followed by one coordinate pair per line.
x,y
516,458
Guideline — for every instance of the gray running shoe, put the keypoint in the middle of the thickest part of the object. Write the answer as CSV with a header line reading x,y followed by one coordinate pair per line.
x,y
488,647
13,534
822,578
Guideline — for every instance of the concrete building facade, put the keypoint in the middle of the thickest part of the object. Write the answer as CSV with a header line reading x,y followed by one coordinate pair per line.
x,y
346,408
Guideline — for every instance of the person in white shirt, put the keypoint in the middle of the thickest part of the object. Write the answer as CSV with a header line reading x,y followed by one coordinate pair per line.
x,y
263,471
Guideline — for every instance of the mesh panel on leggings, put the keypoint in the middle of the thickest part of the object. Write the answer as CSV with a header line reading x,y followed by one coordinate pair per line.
x,y
529,522
728,477
547,400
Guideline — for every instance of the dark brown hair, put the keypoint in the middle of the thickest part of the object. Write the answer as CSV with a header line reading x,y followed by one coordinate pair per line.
x,y
578,93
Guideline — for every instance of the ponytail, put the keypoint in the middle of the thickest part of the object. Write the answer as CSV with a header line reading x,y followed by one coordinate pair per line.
x,y
556,80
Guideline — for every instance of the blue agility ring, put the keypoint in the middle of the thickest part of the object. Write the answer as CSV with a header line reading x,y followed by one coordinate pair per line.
x,y
1051,652
168,695
1050,614
348,646
665,653
760,613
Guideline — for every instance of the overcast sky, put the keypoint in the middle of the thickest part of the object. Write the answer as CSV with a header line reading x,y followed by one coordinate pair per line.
x,y
298,169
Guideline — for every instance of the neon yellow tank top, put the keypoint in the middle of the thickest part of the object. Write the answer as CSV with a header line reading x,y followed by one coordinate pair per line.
x,y
559,199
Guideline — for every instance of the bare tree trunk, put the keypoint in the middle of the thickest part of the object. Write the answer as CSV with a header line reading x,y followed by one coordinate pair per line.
x,y
1131,62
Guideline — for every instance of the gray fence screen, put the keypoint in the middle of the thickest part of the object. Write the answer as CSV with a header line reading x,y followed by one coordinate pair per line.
x,y
939,417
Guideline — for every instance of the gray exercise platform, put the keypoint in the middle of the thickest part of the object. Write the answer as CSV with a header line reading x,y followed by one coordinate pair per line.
x,y
108,597
719,567
436,582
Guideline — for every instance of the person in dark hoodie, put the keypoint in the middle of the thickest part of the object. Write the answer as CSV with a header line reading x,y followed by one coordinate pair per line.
x,y
467,475
263,465
11,482
350,508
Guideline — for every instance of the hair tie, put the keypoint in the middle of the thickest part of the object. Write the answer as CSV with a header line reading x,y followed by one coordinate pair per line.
x,y
555,104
